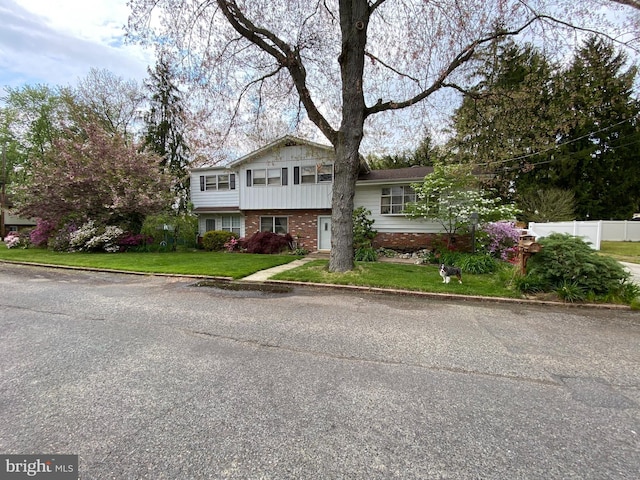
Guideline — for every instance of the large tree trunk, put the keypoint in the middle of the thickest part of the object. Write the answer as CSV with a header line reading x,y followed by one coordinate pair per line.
x,y
354,18
344,186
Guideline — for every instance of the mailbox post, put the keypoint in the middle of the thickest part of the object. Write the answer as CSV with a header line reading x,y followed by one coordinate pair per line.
x,y
527,246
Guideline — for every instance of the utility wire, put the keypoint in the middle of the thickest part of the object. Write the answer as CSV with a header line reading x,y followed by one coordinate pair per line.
x,y
555,147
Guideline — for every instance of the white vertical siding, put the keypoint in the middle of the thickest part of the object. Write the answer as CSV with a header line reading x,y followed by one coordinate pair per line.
x,y
213,198
290,196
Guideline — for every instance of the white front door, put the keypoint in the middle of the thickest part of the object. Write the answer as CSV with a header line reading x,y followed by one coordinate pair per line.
x,y
324,233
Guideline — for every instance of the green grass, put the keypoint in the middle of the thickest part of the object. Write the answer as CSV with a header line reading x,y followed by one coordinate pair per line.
x,y
622,251
421,278
235,265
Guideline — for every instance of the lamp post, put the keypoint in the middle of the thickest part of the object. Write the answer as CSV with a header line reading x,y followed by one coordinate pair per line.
x,y
474,223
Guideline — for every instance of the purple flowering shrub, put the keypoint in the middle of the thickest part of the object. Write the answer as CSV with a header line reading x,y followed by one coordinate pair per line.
x,y
39,236
499,239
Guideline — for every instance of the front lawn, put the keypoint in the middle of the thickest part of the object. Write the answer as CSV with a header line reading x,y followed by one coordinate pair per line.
x,y
422,278
218,264
621,251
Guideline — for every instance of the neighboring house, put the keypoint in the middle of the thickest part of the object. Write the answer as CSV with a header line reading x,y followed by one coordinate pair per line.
x,y
285,187
13,223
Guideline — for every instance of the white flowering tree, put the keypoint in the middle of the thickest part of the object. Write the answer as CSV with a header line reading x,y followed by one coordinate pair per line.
x,y
451,194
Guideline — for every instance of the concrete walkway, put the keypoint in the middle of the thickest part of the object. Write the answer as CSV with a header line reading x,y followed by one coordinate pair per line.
x,y
263,275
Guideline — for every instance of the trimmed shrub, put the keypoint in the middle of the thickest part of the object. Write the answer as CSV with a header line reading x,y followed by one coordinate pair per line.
x,y
568,266
214,240
267,242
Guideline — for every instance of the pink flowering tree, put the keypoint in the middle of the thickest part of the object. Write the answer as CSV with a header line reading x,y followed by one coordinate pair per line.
x,y
94,175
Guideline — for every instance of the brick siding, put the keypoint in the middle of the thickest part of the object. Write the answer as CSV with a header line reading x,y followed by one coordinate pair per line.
x,y
303,224
410,242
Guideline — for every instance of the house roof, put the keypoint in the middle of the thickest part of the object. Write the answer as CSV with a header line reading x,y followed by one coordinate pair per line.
x,y
216,209
413,174
286,141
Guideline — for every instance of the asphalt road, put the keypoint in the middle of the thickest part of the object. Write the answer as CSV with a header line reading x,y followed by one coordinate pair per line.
x,y
153,378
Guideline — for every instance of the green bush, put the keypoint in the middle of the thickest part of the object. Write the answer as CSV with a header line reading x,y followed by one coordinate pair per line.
x,y
530,283
181,229
568,266
214,240
366,254
363,235
477,264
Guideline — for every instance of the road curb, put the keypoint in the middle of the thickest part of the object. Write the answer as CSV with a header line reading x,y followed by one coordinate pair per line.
x,y
454,296
351,288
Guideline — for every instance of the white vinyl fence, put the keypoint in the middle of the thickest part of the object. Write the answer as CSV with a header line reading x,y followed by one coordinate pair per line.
x,y
593,231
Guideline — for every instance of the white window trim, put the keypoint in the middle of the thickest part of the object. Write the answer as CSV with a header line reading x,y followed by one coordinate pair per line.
x,y
390,196
273,223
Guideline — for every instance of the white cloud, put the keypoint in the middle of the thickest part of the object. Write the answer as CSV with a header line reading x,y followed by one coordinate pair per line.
x,y
56,42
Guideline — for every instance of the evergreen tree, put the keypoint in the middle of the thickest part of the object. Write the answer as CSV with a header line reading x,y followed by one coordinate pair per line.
x,y
165,128
426,154
597,156
509,116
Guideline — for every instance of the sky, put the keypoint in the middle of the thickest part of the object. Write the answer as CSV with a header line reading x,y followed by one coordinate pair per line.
x,y
57,42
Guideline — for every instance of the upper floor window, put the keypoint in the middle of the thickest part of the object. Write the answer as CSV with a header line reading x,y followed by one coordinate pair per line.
x,y
394,199
267,176
320,173
222,181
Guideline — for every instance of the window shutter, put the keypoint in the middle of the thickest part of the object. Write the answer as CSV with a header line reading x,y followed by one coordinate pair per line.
x,y
285,176
202,183
296,175
248,178
232,181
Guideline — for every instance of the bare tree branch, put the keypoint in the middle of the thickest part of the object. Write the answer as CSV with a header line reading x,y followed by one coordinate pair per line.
x,y
284,54
630,3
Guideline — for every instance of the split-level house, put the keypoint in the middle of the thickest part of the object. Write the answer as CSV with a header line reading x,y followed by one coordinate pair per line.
x,y
285,187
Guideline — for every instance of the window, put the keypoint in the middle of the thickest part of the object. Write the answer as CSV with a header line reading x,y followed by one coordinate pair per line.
x,y
321,173
274,224
210,224
273,176
224,181
231,223
259,177
395,199
325,172
308,174
211,182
